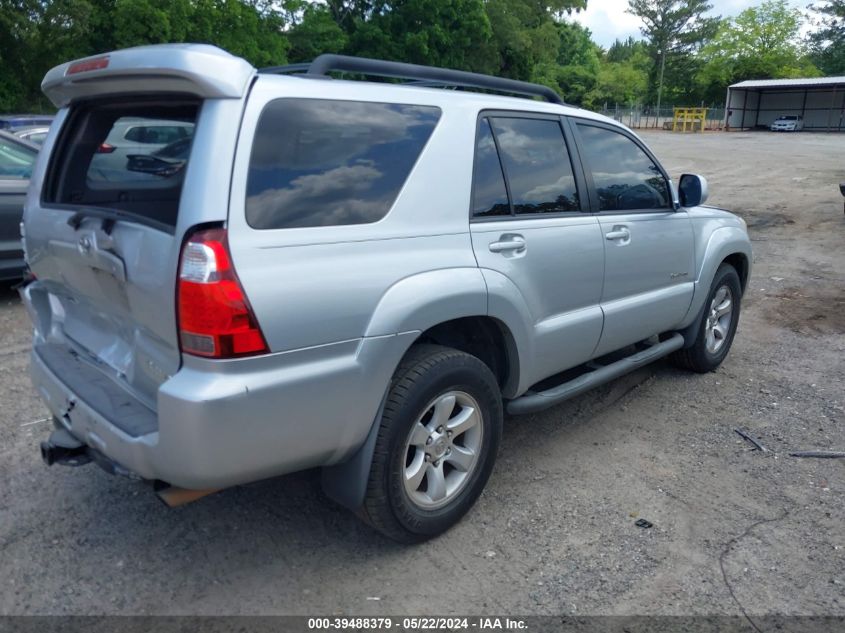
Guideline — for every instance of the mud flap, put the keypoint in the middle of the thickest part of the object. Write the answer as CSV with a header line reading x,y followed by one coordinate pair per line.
x,y
690,332
346,483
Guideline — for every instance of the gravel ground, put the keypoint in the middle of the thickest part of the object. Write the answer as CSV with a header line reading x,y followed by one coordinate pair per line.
x,y
734,530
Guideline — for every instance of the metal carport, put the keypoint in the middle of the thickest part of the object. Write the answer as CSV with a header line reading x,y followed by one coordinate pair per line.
x,y
758,102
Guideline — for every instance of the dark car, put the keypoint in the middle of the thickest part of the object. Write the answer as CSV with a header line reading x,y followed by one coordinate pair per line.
x,y
167,161
16,160
12,122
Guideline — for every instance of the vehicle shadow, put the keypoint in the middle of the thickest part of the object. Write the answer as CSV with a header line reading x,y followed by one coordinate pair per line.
x,y
87,526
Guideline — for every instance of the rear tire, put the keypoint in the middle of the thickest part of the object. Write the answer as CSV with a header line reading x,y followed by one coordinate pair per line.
x,y
718,324
436,445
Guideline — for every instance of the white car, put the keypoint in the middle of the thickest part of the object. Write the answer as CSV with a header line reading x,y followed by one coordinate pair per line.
x,y
135,136
789,123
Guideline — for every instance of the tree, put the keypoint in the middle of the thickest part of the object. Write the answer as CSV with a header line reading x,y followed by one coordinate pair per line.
x,y
623,75
675,30
525,36
316,33
828,43
448,33
762,42
574,70
622,51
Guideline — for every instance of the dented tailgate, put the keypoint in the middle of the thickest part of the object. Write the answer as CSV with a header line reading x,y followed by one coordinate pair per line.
x,y
121,182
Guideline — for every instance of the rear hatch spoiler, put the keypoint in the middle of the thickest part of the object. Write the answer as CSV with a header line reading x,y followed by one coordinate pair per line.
x,y
198,69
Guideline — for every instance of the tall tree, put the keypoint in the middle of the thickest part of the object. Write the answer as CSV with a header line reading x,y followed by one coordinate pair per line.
x,y
623,75
449,33
623,50
574,72
524,34
314,32
828,43
675,30
761,42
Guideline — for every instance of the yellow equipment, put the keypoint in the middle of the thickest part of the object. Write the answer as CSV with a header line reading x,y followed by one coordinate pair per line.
x,y
696,118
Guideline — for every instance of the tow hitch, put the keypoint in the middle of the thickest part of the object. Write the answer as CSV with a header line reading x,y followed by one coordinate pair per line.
x,y
63,448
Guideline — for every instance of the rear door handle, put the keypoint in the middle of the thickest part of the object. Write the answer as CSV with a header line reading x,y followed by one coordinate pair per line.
x,y
618,234
508,243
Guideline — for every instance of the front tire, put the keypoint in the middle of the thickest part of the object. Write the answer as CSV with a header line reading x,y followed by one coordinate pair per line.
x,y
436,445
718,324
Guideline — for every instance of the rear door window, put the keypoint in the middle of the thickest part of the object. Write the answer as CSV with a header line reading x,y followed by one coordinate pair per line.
x,y
537,165
129,157
318,162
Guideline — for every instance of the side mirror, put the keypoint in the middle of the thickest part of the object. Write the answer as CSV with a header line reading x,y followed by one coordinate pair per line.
x,y
692,190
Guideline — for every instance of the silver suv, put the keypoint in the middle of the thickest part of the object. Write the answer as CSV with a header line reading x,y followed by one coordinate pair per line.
x,y
350,275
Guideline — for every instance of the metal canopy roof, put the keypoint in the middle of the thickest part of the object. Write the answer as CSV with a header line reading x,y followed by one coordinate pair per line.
x,y
810,82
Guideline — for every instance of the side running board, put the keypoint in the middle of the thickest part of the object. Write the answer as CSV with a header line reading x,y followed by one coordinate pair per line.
x,y
539,400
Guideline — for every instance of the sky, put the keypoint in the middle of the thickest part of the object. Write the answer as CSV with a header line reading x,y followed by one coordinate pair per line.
x,y
608,20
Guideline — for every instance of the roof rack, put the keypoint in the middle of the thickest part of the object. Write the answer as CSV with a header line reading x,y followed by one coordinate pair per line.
x,y
428,75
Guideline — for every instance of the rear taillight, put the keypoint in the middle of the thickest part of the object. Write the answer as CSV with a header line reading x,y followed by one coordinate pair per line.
x,y
215,318
105,148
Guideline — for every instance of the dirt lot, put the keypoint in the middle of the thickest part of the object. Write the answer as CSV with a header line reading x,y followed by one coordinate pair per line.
x,y
554,532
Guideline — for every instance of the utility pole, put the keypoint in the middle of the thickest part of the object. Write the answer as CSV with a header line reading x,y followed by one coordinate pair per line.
x,y
660,81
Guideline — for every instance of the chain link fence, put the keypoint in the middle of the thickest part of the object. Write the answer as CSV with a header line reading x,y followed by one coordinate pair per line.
x,y
642,117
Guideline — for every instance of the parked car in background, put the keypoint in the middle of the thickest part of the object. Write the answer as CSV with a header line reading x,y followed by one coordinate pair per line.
x,y
787,123
12,122
164,162
352,275
16,160
35,134
136,136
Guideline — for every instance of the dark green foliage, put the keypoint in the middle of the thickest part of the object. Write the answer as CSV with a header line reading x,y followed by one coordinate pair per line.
x,y
37,35
762,42
532,40
828,43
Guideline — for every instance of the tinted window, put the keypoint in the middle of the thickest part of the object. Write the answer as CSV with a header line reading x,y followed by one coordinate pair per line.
x,y
116,162
94,165
320,163
15,160
624,176
489,195
537,165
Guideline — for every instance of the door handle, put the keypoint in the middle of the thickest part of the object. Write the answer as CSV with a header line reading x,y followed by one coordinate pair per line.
x,y
618,234
508,243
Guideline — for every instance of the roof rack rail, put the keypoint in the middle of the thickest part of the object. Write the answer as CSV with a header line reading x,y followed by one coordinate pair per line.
x,y
431,75
287,69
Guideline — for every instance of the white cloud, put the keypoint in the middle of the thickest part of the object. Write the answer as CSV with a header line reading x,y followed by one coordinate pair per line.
x,y
608,20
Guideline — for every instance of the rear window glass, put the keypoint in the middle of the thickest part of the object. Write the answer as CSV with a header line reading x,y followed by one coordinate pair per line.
x,y
317,162
129,157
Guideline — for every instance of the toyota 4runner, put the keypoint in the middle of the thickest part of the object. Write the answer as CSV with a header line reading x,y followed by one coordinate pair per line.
x,y
354,275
